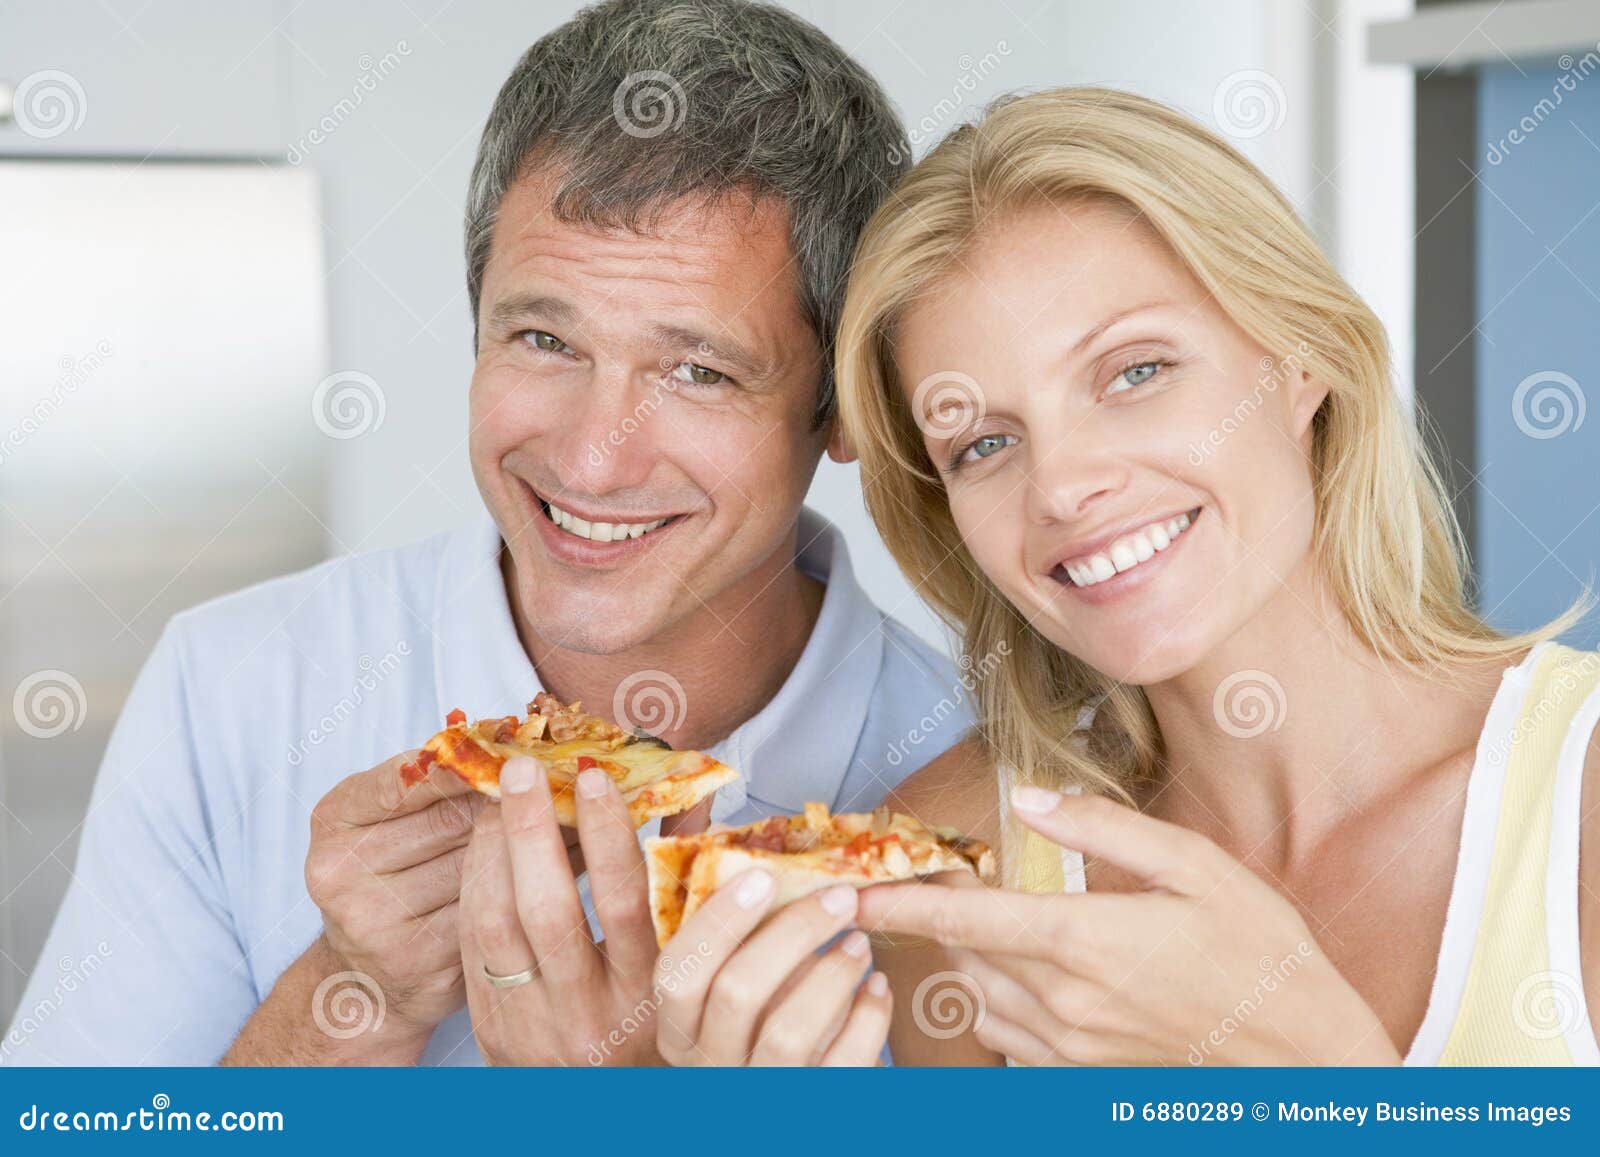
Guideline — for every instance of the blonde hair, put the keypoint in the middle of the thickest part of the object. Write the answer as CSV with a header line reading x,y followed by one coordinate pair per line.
x,y
1385,538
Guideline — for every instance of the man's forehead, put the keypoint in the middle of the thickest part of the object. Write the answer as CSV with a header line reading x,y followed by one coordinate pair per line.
x,y
730,229
729,259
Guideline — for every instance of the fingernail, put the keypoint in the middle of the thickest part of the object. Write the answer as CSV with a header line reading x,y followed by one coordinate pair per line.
x,y
839,900
517,775
592,783
877,984
1034,800
855,944
754,888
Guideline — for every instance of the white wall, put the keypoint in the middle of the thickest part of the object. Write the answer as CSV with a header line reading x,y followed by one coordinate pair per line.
x,y
395,169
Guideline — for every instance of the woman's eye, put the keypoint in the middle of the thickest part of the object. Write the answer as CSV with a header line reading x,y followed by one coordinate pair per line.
x,y
698,375
1133,376
987,445
548,342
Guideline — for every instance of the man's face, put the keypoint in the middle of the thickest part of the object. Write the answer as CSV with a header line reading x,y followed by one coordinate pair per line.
x,y
641,414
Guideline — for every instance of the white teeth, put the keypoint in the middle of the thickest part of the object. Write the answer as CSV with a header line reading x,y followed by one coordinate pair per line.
x,y
601,531
1127,552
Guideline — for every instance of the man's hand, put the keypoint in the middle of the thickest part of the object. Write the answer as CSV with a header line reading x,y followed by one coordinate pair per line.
x,y
586,1003
760,994
385,869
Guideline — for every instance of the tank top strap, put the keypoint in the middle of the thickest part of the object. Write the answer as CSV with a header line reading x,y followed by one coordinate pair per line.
x,y
1041,866
1522,1001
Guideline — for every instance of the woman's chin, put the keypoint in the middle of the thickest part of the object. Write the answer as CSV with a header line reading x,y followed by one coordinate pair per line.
x,y
1139,653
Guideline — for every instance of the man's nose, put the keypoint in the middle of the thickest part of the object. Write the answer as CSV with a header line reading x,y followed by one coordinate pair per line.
x,y
606,436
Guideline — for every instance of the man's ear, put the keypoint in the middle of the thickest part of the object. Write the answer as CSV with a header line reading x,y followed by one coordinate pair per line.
x,y
839,449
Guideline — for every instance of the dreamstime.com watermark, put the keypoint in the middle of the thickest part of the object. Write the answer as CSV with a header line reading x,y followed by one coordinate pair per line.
x,y
74,974
347,1004
373,73
1248,104
947,1004
1573,73
49,703
642,1015
160,1117
348,404
923,131
1274,372
1547,1005
971,675
49,103
1274,973
650,701
1249,703
1547,404
647,104
75,374
373,672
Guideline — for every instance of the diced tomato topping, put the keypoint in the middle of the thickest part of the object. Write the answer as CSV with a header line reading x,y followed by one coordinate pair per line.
x,y
456,716
585,762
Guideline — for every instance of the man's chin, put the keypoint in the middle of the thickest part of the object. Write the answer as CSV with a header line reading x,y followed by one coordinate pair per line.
x,y
595,630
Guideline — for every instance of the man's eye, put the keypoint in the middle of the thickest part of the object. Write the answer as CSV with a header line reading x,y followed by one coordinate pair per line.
x,y
1136,375
548,342
985,446
698,375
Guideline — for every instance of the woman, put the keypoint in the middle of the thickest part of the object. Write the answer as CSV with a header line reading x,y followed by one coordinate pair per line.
x,y
1127,429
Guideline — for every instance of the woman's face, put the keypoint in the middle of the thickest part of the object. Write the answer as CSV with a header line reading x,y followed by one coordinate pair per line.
x,y
1123,462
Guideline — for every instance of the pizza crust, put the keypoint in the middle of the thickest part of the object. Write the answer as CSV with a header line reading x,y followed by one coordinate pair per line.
x,y
855,849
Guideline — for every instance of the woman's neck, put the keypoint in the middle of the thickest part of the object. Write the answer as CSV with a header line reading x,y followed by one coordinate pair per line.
x,y
1293,725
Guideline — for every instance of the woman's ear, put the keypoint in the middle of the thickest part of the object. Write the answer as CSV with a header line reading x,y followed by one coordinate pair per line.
x,y
839,448
1306,395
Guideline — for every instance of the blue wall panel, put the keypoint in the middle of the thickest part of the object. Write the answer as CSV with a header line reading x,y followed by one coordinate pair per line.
x,y
1538,344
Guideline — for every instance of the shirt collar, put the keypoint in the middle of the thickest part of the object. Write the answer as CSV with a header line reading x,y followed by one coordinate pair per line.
x,y
478,661
797,748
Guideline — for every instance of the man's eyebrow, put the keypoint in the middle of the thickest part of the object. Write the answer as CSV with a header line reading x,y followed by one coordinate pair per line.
x,y
522,305
745,364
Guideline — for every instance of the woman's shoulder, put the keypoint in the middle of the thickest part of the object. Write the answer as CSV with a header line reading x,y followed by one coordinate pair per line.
x,y
957,789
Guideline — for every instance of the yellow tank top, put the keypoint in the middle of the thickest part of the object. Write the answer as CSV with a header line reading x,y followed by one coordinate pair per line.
x,y
1508,986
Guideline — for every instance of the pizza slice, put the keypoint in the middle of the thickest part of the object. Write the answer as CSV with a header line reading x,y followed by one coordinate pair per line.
x,y
654,779
805,854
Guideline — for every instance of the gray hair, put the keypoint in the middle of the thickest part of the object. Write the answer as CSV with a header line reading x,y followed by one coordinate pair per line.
x,y
634,104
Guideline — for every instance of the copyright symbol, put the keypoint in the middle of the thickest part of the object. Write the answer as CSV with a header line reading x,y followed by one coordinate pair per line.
x,y
1260,1111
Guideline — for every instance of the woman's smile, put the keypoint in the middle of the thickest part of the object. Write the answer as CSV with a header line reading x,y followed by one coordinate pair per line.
x,y
1096,565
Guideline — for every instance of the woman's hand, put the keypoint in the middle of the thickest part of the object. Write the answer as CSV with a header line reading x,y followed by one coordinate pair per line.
x,y
735,994
1206,964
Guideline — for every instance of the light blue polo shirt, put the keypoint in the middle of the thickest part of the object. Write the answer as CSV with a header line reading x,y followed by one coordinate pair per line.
x,y
188,898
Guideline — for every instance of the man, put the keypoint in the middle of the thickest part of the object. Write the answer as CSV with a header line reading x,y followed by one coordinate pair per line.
x,y
659,224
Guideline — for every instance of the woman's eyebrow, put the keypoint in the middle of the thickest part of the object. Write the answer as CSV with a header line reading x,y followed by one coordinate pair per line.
x,y
1099,328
